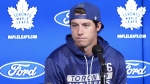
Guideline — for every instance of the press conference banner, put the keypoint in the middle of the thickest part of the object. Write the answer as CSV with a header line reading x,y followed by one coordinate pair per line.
x,y
31,29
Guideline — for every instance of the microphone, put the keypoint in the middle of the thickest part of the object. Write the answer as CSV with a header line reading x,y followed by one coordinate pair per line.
x,y
97,50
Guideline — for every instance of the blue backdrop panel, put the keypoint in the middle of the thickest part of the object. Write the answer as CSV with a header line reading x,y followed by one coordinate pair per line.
x,y
146,41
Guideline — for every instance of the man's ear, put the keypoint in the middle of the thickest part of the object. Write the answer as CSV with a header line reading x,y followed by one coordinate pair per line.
x,y
99,25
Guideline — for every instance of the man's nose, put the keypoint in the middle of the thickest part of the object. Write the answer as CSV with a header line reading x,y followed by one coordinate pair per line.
x,y
80,30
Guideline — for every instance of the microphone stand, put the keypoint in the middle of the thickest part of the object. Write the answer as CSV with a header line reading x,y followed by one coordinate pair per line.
x,y
102,73
103,69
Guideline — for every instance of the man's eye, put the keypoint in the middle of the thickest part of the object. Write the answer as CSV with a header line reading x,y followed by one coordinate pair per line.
x,y
74,25
86,25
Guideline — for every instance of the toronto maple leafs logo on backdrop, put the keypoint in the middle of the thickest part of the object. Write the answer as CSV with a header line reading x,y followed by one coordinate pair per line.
x,y
22,16
131,15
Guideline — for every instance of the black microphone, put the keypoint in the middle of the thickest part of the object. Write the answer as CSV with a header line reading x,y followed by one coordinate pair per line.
x,y
97,50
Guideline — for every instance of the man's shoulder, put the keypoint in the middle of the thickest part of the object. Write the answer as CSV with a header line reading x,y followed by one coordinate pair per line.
x,y
60,52
114,53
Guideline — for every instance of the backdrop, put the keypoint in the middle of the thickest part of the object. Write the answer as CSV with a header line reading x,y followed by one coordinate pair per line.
x,y
31,29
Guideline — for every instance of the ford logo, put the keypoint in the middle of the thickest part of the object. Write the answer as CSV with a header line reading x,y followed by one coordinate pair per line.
x,y
137,68
22,70
62,18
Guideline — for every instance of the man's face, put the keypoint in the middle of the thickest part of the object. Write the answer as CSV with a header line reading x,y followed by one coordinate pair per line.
x,y
84,32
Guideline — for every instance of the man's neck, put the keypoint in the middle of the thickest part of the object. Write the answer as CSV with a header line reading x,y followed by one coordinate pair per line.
x,y
87,50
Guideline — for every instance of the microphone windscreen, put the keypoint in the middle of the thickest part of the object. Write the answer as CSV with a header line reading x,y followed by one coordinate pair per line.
x,y
97,49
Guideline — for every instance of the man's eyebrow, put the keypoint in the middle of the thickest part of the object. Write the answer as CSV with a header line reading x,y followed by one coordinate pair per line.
x,y
86,23
82,23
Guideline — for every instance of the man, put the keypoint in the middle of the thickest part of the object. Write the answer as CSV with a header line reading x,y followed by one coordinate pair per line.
x,y
74,62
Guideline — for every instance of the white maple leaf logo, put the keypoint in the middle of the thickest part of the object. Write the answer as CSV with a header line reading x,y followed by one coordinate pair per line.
x,y
131,16
22,17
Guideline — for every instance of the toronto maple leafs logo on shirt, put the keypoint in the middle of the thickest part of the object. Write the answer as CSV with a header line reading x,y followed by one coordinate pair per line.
x,y
22,16
131,15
